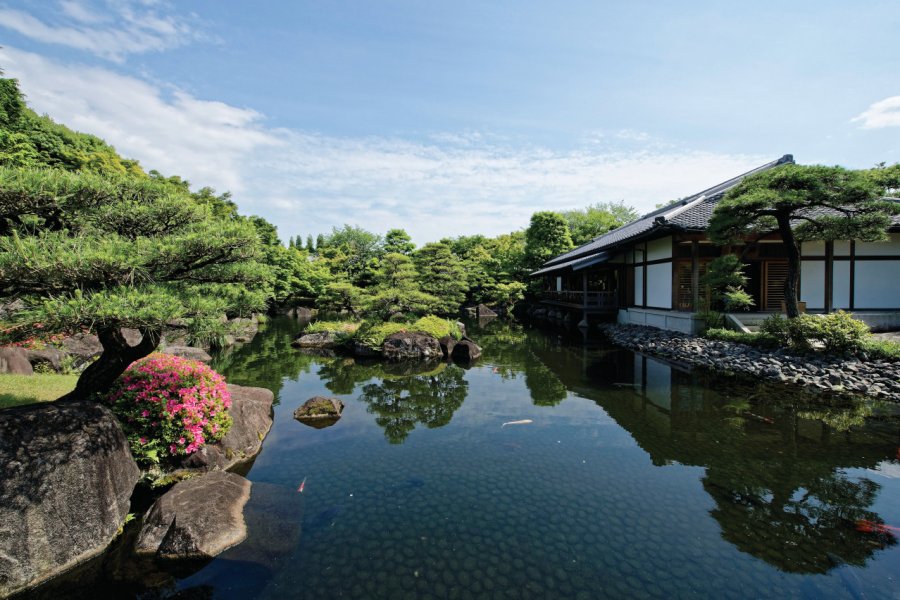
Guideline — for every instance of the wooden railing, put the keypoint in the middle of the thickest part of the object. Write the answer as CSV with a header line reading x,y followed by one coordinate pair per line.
x,y
593,300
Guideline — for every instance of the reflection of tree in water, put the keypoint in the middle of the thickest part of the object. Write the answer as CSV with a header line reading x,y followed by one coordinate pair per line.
x,y
401,402
511,349
798,528
267,359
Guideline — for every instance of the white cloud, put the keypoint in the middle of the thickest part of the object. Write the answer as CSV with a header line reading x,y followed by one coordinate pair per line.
x,y
111,29
885,113
450,184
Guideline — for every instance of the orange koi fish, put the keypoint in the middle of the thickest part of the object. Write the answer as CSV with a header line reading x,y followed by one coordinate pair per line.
x,y
867,526
302,485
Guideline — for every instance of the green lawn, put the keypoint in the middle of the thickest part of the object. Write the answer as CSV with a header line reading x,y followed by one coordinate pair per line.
x,y
16,390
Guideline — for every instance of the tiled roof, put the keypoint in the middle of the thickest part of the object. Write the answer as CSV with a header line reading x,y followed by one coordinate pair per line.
x,y
692,212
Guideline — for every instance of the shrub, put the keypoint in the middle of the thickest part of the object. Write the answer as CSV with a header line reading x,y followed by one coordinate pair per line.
x,y
877,349
170,406
837,332
374,334
737,300
758,340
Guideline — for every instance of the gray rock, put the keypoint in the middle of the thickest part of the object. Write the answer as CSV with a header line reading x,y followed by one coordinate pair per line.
x,y
67,481
447,344
483,310
189,352
51,357
85,346
322,340
14,361
466,350
8,309
251,411
198,518
360,349
320,412
407,345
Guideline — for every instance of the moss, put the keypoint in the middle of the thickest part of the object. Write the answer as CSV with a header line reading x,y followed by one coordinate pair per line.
x,y
347,327
374,334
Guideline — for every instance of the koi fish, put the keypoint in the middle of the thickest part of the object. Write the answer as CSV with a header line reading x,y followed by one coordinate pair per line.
x,y
302,485
766,420
867,526
521,422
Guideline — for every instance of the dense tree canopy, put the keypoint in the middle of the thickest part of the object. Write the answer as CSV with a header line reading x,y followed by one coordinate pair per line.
x,y
95,253
806,203
547,236
597,219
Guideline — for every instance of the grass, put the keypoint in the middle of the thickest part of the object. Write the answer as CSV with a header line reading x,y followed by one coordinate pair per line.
x,y
347,327
18,390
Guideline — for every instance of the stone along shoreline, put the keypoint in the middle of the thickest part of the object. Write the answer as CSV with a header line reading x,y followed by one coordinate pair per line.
x,y
877,379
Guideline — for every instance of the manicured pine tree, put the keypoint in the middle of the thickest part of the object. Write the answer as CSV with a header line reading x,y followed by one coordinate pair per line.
x,y
441,274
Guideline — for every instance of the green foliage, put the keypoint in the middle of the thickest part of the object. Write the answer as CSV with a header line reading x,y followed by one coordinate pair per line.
x,y
373,334
547,236
737,300
837,332
804,203
397,240
876,349
441,275
341,297
348,327
350,251
597,219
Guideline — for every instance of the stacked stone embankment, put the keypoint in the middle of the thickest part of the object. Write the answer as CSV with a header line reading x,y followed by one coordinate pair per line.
x,y
876,379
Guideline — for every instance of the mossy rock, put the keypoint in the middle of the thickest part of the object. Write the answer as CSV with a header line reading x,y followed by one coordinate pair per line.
x,y
319,412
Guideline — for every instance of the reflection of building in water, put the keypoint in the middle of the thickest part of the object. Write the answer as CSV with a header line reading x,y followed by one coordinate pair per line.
x,y
775,458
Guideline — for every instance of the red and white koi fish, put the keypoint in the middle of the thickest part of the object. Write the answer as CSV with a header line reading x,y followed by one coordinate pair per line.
x,y
521,422
302,485
872,527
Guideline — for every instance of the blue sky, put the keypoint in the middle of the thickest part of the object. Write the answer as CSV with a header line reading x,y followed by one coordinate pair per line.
x,y
464,117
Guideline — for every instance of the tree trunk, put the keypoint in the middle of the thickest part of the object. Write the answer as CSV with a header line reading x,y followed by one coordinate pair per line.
x,y
117,354
792,283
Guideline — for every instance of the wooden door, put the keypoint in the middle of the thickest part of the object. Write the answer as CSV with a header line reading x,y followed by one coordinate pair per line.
x,y
774,276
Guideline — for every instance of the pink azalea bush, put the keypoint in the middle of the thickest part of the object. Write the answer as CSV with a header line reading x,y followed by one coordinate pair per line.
x,y
170,406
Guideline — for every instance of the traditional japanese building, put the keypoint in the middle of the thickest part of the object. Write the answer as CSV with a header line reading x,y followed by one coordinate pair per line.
x,y
649,271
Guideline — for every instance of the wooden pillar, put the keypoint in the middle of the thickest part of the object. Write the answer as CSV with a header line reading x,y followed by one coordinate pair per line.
x,y
695,275
829,276
584,293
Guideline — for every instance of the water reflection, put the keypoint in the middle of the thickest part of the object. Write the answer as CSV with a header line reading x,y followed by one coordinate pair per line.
x,y
775,458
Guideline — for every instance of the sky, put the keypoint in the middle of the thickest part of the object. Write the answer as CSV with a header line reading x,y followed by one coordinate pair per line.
x,y
463,117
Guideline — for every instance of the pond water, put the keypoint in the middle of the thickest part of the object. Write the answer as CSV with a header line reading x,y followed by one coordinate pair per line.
x,y
634,479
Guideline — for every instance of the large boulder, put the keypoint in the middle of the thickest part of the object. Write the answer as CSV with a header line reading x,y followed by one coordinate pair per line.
x,y
65,489
189,352
244,329
198,518
483,310
251,412
320,412
14,361
466,350
407,345
48,358
447,344
323,340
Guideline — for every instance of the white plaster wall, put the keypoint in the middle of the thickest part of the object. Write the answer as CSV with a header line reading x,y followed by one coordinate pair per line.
x,y
639,285
841,284
812,283
877,284
842,248
890,248
659,285
661,248
812,249
659,384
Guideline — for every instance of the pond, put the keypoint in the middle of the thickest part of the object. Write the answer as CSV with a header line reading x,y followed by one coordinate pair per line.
x,y
633,479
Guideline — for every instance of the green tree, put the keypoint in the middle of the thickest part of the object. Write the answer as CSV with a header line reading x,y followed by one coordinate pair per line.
x,y
547,236
397,240
341,296
357,247
441,275
803,203
597,219
309,244
98,254
396,289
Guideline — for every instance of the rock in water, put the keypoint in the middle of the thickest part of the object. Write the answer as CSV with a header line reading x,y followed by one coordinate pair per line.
x,y
251,412
197,518
67,481
410,345
447,344
15,361
320,412
467,351
323,340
